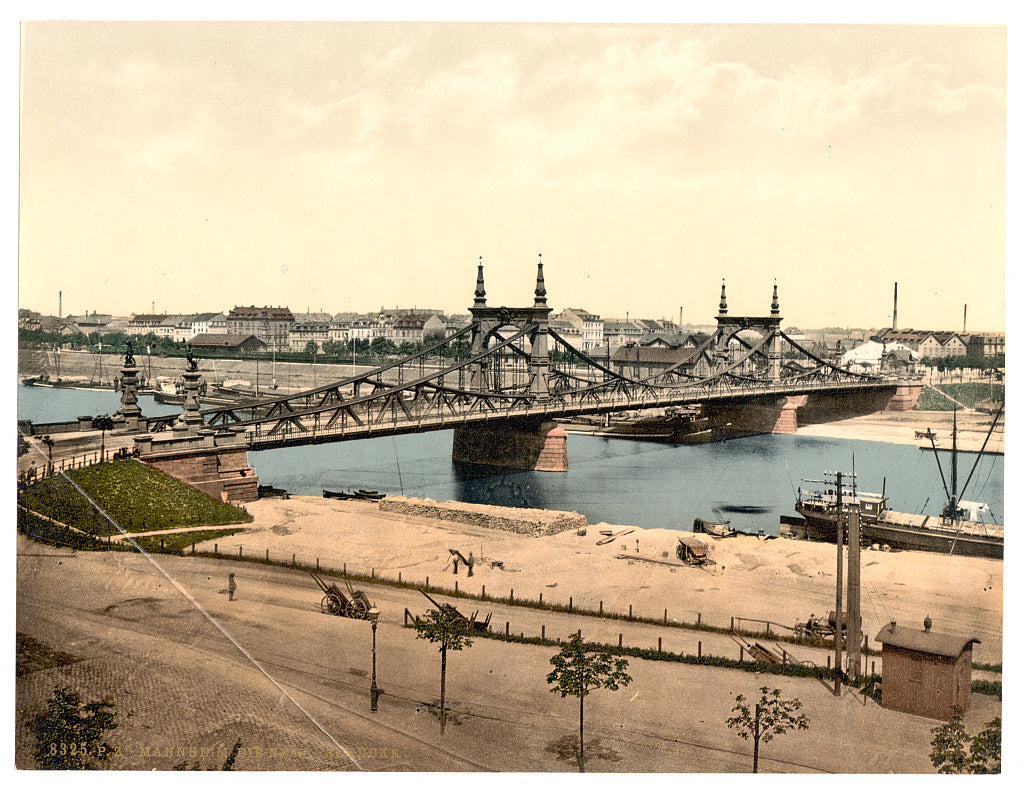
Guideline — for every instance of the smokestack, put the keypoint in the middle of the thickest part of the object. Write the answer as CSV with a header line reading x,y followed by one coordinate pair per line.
x,y
60,303
895,288
965,319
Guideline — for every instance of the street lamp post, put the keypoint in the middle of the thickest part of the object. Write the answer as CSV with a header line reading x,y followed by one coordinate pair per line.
x,y
374,615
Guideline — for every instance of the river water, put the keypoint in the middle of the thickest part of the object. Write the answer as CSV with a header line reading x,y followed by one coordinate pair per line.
x,y
750,481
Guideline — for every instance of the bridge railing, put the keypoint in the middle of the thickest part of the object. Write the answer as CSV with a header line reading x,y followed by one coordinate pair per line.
x,y
558,406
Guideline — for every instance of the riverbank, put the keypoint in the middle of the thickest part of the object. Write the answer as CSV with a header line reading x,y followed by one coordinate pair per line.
x,y
908,427
778,580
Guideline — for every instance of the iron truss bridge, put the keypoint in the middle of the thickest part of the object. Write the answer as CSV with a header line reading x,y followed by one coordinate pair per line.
x,y
512,377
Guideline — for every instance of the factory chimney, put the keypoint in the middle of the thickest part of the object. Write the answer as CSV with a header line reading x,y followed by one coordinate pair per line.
x,y
895,288
965,319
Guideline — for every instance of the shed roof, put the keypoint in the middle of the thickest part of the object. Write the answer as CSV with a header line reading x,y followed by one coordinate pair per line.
x,y
924,640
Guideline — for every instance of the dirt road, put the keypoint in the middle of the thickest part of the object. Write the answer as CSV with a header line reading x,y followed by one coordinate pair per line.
x,y
190,675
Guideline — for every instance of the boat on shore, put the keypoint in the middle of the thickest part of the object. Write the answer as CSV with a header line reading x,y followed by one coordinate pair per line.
x,y
958,530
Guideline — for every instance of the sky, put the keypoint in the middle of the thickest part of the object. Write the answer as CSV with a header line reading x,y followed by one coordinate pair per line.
x,y
192,167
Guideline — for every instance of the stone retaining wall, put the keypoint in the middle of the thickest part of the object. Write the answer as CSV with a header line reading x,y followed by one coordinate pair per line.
x,y
532,522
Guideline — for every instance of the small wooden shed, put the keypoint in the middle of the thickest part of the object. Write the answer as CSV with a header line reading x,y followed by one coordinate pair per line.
x,y
925,673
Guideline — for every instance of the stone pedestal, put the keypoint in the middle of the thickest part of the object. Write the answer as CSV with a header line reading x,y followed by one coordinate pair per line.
x,y
129,416
519,445
213,462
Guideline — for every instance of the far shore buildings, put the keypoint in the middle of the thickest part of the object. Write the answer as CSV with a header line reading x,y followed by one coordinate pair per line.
x,y
609,340
945,344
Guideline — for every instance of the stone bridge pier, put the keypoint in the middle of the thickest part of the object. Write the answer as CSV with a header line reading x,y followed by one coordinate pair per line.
x,y
522,445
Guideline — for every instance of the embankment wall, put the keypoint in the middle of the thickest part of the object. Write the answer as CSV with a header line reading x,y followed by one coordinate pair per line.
x,y
530,522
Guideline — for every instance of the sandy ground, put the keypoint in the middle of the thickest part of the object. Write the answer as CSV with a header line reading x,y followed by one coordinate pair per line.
x,y
197,672
777,580
901,428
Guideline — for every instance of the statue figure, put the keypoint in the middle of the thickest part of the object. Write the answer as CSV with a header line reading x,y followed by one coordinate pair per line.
x,y
192,364
129,358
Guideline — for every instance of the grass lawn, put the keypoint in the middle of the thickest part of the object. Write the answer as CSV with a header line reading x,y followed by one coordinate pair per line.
x,y
136,496
968,393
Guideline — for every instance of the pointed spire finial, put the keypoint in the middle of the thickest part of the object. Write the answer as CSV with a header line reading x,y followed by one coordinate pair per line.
x,y
723,308
775,299
480,296
540,294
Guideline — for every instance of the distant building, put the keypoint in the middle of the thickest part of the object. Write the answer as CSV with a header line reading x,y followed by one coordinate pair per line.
x,y
640,362
589,326
203,323
144,324
270,324
618,333
227,342
925,673
986,344
925,343
416,328
305,332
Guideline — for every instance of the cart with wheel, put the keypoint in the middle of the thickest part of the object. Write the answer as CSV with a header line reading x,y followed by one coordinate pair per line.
x,y
354,605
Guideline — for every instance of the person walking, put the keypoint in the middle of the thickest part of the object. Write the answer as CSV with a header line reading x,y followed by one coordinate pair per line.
x,y
231,585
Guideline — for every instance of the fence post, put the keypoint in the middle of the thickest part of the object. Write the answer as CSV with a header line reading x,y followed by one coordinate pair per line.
x,y
620,641
666,616
732,623
542,631
541,600
506,628
570,603
239,552
698,650
456,587
698,617
428,581
317,561
659,643
399,577
215,548
293,559
483,590
630,610
741,654
193,547
600,608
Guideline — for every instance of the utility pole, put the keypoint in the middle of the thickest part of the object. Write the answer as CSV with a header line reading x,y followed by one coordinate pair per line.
x,y
837,672
853,629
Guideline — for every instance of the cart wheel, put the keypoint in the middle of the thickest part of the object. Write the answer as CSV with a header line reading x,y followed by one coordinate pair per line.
x,y
330,605
356,610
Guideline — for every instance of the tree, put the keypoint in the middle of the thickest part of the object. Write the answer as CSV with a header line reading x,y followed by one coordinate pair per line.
x,y
47,440
956,751
450,631
69,734
771,716
577,671
104,423
311,348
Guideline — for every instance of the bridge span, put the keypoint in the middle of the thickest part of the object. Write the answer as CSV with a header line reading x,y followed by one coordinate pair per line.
x,y
519,378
